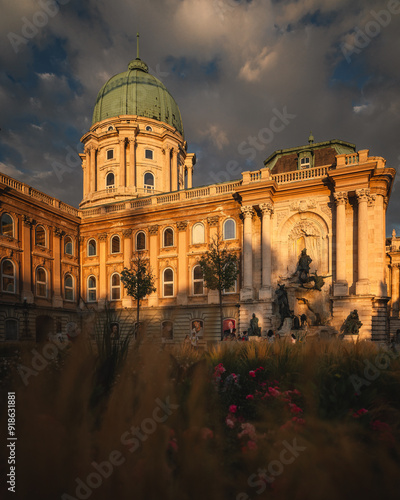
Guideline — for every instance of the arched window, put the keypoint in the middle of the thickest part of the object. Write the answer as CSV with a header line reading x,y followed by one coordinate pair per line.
x,y
141,240
7,225
92,248
115,286
91,289
40,236
115,244
198,233
11,329
168,237
168,282
69,287
8,280
229,229
148,181
167,330
41,282
110,180
198,281
68,246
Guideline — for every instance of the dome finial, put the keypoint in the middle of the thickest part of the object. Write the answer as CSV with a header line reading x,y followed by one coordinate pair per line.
x,y
137,45
138,63
310,138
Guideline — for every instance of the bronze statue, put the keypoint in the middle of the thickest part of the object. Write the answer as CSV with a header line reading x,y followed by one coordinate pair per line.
x,y
254,329
283,303
352,324
303,266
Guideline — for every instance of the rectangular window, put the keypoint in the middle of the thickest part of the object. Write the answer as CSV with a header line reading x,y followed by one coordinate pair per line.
x,y
148,154
110,154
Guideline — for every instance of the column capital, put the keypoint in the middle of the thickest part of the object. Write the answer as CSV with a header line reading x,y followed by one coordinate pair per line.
x,y
182,225
247,211
267,208
213,221
362,195
127,232
153,230
341,197
28,221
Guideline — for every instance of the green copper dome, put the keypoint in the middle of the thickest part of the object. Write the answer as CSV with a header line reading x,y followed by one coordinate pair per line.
x,y
136,92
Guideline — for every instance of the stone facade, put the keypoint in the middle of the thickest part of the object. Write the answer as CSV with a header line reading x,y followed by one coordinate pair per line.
x,y
61,264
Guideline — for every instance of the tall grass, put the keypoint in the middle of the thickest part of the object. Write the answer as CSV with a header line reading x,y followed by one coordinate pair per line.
x,y
207,448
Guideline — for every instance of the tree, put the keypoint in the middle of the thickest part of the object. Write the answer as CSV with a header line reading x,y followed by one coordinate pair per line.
x,y
138,281
220,269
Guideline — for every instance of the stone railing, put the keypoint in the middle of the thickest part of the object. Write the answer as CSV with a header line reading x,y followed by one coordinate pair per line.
x,y
300,175
38,195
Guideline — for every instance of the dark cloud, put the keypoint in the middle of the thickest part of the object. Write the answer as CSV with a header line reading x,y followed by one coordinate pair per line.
x,y
231,66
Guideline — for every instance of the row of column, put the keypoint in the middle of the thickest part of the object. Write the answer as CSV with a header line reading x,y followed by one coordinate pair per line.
x,y
363,197
266,251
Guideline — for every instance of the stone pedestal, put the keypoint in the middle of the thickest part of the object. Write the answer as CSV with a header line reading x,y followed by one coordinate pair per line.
x,y
246,294
340,289
265,293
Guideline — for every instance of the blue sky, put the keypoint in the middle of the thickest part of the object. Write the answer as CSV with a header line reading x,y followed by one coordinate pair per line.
x,y
230,65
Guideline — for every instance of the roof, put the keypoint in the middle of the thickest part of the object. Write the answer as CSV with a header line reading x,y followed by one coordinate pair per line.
x,y
137,92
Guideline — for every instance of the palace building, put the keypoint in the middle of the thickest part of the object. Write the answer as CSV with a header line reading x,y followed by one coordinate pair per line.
x,y
60,264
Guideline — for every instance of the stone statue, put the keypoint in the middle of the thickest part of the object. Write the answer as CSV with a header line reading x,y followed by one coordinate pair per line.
x,y
254,329
352,324
303,266
318,281
283,303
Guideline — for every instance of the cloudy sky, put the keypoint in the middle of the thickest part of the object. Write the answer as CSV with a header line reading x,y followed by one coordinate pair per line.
x,y
330,66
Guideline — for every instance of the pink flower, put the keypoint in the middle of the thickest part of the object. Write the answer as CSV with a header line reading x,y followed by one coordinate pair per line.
x,y
173,445
273,391
230,423
359,413
207,433
250,396
252,373
233,409
378,425
248,430
295,409
298,420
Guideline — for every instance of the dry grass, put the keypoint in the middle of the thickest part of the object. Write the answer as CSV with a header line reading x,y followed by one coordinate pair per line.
x,y
194,454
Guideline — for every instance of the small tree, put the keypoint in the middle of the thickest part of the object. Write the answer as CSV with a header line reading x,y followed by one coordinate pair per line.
x,y
138,281
220,270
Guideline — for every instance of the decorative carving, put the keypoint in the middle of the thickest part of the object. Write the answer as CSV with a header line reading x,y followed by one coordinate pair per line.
x,y
341,198
28,221
281,215
371,200
127,232
302,205
153,230
247,211
267,208
326,208
362,195
213,221
59,232
303,228
182,225
103,236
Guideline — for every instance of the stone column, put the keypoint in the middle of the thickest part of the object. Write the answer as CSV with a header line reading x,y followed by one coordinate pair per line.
x,y
395,289
92,169
267,210
127,301
122,163
378,201
189,176
167,167
57,300
26,263
174,170
85,167
247,292
341,286
131,174
362,285
104,288
153,250
182,278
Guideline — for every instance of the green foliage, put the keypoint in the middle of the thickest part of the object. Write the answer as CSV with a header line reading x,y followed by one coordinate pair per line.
x,y
219,266
138,281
